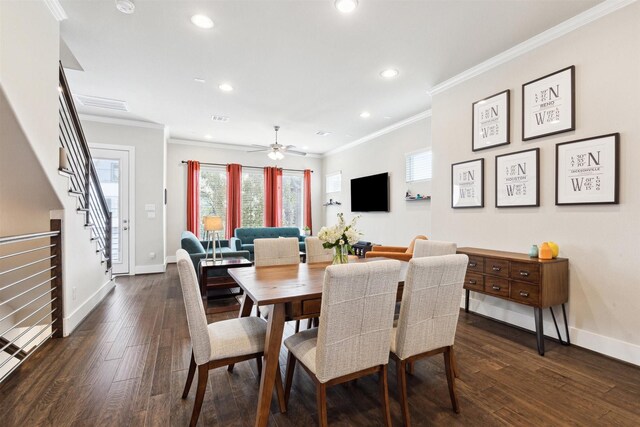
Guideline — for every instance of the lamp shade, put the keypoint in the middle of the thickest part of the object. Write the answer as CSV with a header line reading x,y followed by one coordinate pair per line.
x,y
212,223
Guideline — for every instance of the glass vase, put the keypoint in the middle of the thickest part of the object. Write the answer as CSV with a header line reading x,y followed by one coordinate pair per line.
x,y
340,254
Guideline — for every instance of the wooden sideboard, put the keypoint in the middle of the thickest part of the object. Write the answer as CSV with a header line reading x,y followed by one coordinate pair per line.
x,y
519,278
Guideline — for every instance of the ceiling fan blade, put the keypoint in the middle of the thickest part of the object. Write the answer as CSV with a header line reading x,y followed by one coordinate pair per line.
x,y
256,151
295,153
287,147
261,146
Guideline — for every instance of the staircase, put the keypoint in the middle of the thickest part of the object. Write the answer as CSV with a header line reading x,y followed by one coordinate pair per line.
x,y
83,179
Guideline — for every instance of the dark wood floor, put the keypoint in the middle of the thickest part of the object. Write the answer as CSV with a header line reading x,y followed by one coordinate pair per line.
x,y
127,363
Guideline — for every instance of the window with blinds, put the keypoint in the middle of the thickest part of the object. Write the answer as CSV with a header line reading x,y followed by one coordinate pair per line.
x,y
418,166
333,182
252,198
213,193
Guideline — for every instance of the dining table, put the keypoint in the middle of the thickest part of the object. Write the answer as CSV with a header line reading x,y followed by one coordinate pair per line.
x,y
295,292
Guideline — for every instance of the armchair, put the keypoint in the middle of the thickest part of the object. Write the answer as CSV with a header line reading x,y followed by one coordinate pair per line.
x,y
401,253
197,249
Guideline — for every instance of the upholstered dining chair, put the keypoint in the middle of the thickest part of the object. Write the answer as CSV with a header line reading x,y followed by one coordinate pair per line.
x,y
428,318
401,253
316,252
424,248
356,319
217,344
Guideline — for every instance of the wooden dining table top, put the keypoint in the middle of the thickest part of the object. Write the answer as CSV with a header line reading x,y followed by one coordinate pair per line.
x,y
289,283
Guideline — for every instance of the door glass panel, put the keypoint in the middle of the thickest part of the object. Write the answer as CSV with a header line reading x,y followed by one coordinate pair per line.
x,y
109,175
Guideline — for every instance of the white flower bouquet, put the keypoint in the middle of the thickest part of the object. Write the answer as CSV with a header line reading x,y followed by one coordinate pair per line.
x,y
341,237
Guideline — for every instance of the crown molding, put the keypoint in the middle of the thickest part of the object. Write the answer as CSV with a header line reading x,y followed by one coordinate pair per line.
x,y
571,24
225,146
383,131
56,10
122,122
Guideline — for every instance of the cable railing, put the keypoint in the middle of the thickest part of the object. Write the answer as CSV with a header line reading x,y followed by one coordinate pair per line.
x,y
84,181
30,294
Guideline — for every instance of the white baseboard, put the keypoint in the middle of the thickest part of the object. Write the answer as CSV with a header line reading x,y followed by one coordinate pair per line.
x,y
500,310
150,269
171,259
71,322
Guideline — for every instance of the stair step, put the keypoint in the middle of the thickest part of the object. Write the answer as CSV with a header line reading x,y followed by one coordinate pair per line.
x,y
67,172
76,193
82,210
93,239
89,224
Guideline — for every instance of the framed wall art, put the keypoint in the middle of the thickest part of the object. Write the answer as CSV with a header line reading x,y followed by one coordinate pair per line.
x,y
518,179
587,171
548,104
467,184
490,121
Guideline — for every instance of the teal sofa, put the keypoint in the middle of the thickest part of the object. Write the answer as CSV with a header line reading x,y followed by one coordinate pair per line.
x,y
244,236
197,249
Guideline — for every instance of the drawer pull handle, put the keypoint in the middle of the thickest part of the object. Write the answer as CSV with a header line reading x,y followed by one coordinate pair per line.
x,y
524,294
472,264
496,268
472,282
495,288
524,273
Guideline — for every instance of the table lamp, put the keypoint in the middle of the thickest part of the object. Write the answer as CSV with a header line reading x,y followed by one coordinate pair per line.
x,y
213,224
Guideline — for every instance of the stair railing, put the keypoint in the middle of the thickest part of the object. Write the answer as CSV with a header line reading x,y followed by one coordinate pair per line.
x,y
84,180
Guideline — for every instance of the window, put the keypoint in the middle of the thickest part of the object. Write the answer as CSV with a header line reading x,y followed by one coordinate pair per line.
x,y
292,200
213,193
418,166
252,198
333,182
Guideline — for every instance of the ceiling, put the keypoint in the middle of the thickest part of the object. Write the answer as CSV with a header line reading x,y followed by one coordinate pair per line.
x,y
298,64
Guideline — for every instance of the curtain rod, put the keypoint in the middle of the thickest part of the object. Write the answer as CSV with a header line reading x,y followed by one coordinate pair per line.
x,y
250,167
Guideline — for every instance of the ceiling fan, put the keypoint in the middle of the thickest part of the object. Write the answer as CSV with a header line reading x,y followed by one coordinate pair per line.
x,y
276,151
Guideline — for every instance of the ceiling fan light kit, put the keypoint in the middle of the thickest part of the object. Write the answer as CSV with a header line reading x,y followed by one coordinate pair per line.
x,y
276,150
126,6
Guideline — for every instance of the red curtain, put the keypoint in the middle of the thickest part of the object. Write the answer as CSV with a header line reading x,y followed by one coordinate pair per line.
x,y
273,197
193,197
234,198
307,199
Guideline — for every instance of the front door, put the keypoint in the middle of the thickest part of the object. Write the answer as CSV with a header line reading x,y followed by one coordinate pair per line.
x,y
112,167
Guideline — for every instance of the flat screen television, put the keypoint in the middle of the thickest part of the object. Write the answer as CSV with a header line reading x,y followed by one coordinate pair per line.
x,y
370,193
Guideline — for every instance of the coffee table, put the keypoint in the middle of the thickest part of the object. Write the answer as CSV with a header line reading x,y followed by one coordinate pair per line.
x,y
222,281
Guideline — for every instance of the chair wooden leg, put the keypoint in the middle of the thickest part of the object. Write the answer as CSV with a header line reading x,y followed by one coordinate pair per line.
x,y
309,323
454,363
190,374
384,393
410,367
451,379
401,368
316,321
291,366
321,399
280,391
298,326
259,365
203,374
230,367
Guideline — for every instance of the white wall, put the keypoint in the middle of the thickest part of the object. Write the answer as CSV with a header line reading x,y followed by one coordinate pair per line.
x,y
600,241
148,182
178,150
385,153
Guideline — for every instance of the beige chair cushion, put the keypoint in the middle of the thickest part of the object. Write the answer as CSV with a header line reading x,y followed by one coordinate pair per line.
x,y
237,337
433,248
276,251
430,304
413,242
356,318
315,252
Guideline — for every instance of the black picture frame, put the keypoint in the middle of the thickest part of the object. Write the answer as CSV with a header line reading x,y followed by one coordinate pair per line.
x,y
498,117
560,101
610,174
521,177
478,185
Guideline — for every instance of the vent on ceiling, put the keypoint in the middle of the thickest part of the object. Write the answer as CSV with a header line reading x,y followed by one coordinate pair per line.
x,y
221,119
106,103
322,133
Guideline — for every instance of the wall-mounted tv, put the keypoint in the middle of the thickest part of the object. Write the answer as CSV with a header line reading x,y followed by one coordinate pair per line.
x,y
370,193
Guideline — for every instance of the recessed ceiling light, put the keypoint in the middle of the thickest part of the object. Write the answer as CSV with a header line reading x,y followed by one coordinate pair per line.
x,y
198,80
386,117
322,133
126,6
365,115
202,21
390,73
222,119
305,147
225,87
346,6
208,136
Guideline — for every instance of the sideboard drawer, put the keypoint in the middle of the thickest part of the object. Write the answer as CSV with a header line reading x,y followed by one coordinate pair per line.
x,y
496,286
474,281
496,267
529,272
476,264
525,293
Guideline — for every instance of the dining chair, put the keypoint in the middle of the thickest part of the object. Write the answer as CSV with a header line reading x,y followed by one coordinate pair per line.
x,y
316,252
356,319
428,318
433,248
217,344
